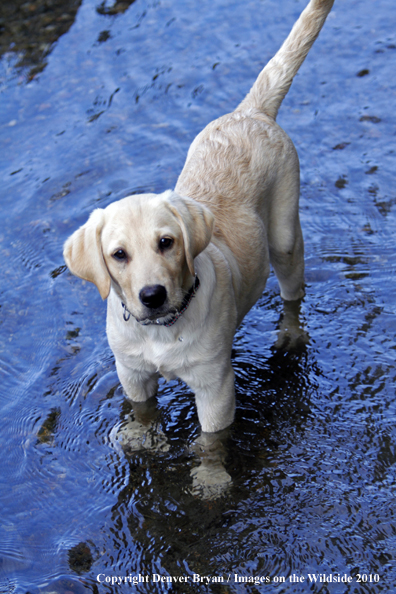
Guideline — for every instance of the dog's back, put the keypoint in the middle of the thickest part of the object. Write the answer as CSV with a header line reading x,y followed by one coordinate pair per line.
x,y
243,165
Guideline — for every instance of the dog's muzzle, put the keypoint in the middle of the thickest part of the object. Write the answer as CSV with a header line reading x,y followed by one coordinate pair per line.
x,y
154,294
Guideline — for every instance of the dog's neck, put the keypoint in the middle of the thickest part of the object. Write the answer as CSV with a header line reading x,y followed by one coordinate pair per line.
x,y
169,322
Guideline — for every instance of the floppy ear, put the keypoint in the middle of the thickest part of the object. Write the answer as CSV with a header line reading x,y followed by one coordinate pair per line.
x,y
83,253
196,222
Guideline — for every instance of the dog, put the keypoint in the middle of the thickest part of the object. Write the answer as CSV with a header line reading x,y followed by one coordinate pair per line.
x,y
181,269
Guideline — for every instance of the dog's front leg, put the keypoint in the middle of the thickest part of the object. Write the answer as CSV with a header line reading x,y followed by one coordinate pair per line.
x,y
214,389
139,384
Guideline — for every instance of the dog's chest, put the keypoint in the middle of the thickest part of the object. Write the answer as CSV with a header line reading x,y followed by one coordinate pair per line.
x,y
161,349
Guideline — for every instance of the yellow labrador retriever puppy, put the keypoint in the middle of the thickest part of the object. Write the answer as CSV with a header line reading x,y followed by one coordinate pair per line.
x,y
181,269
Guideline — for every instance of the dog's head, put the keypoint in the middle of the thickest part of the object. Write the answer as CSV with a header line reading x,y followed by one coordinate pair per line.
x,y
144,246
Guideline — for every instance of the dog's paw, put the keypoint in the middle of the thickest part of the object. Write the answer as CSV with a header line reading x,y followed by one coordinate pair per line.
x,y
292,339
291,335
134,436
210,480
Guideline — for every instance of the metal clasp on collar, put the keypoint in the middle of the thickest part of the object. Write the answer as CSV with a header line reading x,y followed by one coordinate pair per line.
x,y
126,314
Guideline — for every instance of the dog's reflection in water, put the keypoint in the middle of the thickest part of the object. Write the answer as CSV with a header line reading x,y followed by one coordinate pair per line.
x,y
142,431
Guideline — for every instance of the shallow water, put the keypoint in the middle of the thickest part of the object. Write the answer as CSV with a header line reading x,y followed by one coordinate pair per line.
x,y
304,480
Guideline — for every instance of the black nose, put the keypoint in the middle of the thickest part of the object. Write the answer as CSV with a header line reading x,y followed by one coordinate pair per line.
x,y
153,296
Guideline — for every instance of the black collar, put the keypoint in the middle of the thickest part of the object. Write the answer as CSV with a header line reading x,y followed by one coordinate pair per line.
x,y
185,303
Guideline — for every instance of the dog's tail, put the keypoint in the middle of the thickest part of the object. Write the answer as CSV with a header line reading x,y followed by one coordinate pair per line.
x,y
274,81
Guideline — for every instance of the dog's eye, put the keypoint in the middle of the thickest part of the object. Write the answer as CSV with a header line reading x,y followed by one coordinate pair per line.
x,y
120,255
165,243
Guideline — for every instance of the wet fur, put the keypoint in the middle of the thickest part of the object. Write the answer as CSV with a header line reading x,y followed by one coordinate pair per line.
x,y
234,211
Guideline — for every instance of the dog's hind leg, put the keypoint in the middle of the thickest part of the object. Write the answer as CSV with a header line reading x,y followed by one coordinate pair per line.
x,y
286,245
287,260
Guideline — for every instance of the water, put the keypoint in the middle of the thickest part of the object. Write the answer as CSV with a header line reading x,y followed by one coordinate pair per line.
x,y
105,103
